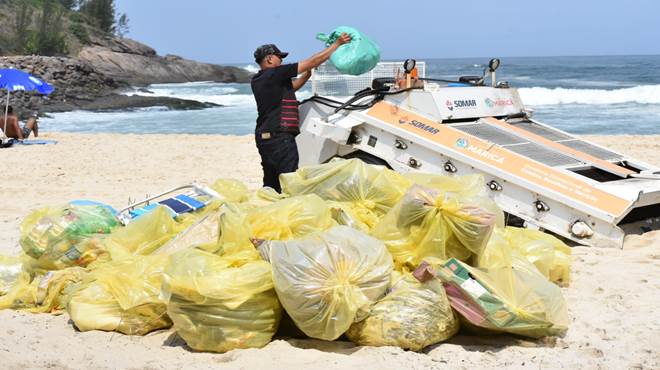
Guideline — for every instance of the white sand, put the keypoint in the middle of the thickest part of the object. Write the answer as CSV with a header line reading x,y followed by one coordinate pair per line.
x,y
613,297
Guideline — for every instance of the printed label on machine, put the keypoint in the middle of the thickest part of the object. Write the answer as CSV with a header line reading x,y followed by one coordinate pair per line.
x,y
499,157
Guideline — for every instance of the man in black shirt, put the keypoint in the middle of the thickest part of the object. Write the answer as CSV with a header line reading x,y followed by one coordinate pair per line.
x,y
278,121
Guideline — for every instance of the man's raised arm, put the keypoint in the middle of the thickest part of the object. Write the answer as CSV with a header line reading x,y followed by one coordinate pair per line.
x,y
300,81
318,58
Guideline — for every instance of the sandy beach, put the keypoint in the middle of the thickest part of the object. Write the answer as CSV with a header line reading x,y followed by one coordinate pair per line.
x,y
613,298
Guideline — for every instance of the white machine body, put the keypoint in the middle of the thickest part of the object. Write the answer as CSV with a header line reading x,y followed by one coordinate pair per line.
x,y
549,178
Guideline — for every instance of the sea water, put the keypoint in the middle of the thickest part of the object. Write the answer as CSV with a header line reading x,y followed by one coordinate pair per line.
x,y
583,95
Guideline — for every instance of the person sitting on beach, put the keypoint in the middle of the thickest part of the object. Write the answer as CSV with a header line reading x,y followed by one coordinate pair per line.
x,y
14,130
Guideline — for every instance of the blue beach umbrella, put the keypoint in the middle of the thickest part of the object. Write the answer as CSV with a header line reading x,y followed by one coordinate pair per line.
x,y
15,80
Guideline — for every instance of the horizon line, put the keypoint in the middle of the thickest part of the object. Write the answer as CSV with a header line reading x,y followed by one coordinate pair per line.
x,y
487,57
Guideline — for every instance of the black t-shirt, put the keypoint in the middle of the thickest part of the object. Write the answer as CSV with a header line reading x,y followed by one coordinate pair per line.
x,y
276,100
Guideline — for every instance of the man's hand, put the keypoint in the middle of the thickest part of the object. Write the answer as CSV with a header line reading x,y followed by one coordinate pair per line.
x,y
344,38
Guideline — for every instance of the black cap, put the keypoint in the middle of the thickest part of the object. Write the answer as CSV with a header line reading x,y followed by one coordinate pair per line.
x,y
266,50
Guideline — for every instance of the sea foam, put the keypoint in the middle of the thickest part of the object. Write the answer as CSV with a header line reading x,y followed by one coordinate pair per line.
x,y
646,94
252,68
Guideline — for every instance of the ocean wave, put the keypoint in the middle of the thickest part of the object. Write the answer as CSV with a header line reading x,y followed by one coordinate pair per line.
x,y
184,84
178,91
222,99
647,94
237,95
252,68
229,99
222,120
198,87
576,82
214,94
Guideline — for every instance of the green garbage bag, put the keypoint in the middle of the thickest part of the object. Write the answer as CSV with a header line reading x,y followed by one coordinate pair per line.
x,y
355,58
60,237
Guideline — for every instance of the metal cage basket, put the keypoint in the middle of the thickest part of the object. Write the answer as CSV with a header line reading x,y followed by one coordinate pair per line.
x,y
327,81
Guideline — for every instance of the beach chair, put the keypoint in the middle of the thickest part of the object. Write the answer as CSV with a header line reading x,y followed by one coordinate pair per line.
x,y
191,198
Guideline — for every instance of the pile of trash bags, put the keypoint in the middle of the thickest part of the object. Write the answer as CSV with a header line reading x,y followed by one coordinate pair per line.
x,y
347,250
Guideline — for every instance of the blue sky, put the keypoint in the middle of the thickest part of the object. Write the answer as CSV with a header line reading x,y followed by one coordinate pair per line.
x,y
229,31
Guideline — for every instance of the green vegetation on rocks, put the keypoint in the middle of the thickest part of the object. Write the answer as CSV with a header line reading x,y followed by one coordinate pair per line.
x,y
57,27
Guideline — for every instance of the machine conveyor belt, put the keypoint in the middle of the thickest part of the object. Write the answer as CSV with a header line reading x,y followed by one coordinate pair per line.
x,y
518,145
567,140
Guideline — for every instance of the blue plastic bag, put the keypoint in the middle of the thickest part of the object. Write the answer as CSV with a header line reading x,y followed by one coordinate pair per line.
x,y
356,57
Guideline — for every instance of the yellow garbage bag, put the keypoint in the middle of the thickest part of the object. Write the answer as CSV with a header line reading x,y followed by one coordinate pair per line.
x,y
516,299
10,271
345,215
328,280
43,293
144,235
231,190
468,188
234,232
293,217
412,316
221,303
550,255
263,197
202,233
222,231
60,237
21,294
368,190
122,296
428,224
290,218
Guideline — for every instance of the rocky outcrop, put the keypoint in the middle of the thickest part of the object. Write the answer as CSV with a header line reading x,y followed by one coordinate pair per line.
x,y
122,45
138,64
79,86
114,102
98,66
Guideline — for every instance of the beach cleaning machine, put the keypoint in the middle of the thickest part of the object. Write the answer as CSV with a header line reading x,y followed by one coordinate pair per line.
x,y
540,176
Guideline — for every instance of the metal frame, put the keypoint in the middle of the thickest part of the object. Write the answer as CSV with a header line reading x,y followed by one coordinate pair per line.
x,y
326,74
196,190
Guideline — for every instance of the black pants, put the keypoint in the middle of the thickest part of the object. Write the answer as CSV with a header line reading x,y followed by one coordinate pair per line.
x,y
279,155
